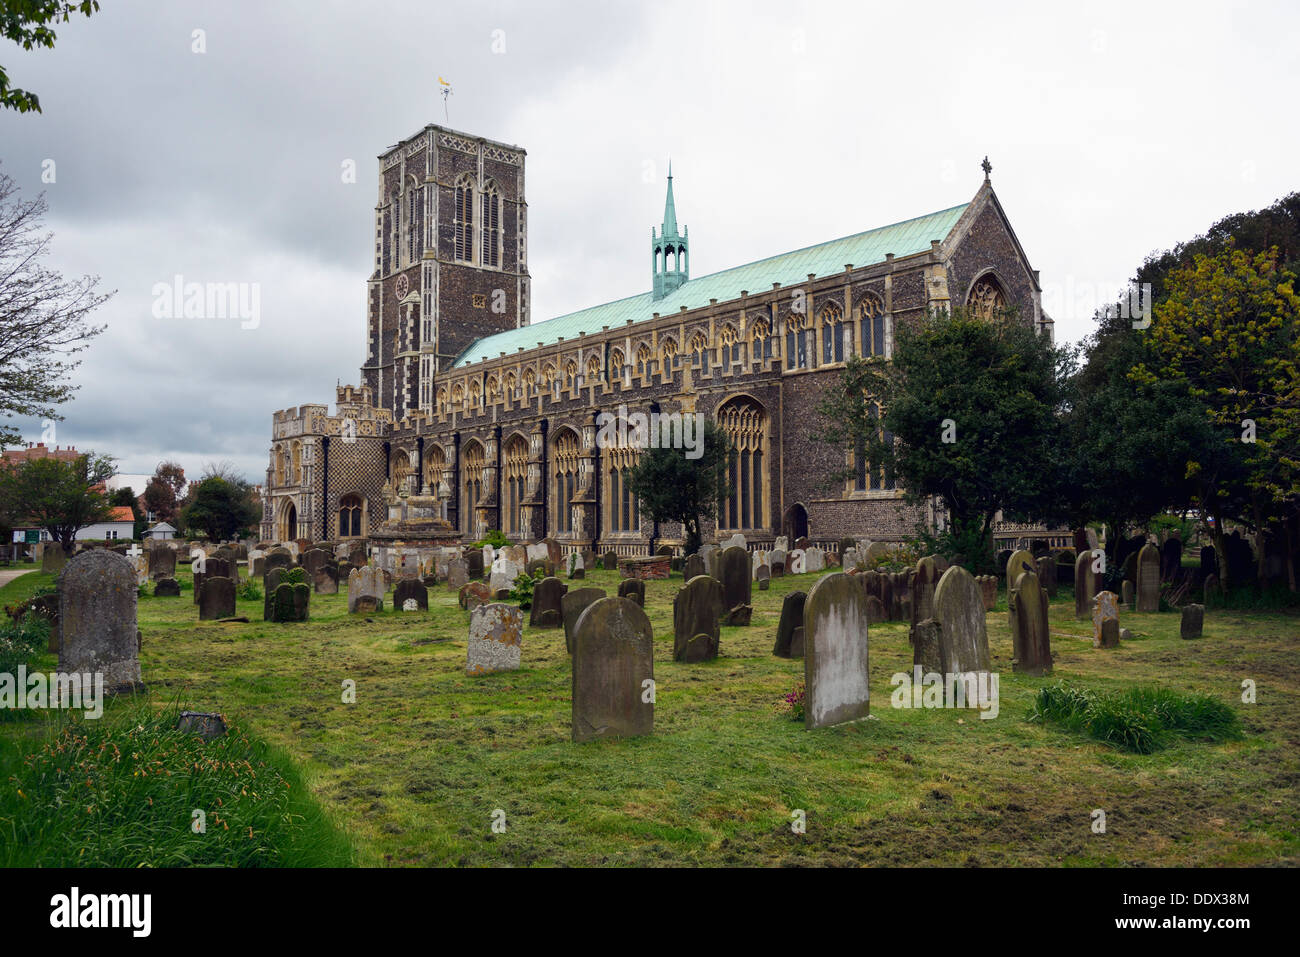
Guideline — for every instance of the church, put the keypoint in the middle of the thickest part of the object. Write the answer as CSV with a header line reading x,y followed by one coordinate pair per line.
x,y
469,416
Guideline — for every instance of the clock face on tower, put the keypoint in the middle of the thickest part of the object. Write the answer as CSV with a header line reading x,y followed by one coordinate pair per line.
x,y
402,286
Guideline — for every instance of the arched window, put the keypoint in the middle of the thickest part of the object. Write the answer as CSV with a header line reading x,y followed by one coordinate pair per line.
x,y
763,340
796,341
593,370
281,470
642,359
435,467
463,223
986,298
565,479
491,224
512,386
699,348
837,335
493,389
458,396
871,322
475,394
297,464
442,400
473,471
570,375
668,352
530,382
865,477
350,517
745,423
515,478
622,509
733,349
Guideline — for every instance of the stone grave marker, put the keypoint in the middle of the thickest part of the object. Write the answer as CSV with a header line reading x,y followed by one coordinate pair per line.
x,y
1148,579
217,598
496,634
572,605
97,619
836,668
791,619
1105,620
411,590
1030,641
696,610
546,611
613,671
1193,621
633,589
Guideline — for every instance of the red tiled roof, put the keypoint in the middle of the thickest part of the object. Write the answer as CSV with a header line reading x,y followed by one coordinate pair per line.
x,y
122,513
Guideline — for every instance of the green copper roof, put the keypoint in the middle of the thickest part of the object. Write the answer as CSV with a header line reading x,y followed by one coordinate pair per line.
x,y
861,249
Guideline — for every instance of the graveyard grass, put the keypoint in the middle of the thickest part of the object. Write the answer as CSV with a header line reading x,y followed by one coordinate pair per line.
x,y
413,771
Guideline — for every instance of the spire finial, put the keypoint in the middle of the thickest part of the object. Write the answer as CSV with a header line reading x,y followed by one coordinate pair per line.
x,y
987,167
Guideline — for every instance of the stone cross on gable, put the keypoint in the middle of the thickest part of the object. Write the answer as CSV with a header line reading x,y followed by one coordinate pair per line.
x,y
987,167
135,551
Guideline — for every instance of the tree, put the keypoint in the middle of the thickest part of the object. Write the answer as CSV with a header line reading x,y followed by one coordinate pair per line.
x,y
967,411
44,319
671,487
220,509
163,493
61,497
26,22
1229,331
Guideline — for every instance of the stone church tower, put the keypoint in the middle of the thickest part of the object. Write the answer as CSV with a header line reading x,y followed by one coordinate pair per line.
x,y
451,260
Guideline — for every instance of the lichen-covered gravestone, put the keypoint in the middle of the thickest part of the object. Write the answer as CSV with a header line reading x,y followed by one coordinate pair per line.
x,y
1030,643
613,671
963,639
835,652
411,589
546,611
1148,579
217,598
1105,620
572,605
791,621
1085,585
473,594
291,601
496,634
696,611
97,619
1018,563
369,582
1047,574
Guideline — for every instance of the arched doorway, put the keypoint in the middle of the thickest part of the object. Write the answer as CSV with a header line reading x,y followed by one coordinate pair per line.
x,y
795,525
289,523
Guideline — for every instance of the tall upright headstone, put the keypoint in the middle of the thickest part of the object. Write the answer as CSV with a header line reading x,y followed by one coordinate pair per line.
x,y
1085,585
613,671
1105,620
788,643
835,652
1148,579
924,580
696,611
367,582
572,605
217,598
547,595
959,610
1030,640
736,585
97,619
496,634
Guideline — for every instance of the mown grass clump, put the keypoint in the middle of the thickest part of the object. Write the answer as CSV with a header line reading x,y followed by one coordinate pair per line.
x,y
1141,719
122,791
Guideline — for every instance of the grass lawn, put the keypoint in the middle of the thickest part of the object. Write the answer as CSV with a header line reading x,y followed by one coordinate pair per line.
x,y
415,769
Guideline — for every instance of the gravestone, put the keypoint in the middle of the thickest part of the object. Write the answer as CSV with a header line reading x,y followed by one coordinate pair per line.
x,y
736,594
314,559
326,581
712,557
278,557
1125,635
921,589
572,605
489,555
291,602
696,610
1148,579
835,661
167,588
546,611
633,589
876,610
1085,586
776,560
1017,564
613,671
959,609
1105,620
1126,594
473,594
97,619
1047,574
357,554
496,634
217,598
366,605
212,568
577,567
988,590
538,551
791,618
1030,641
1193,621
410,589
610,560
814,559
458,573
554,551
764,578
694,566
365,582
473,563
270,582
504,571
162,563
927,647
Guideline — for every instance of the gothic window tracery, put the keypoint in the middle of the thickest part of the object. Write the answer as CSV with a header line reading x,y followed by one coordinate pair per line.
x,y
564,473
871,323
745,423
986,298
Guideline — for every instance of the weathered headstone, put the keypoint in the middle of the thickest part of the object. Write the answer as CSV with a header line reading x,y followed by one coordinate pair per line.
x,y
696,610
776,560
458,573
577,567
814,559
927,647
988,590
546,611
1047,573
1085,585
504,571
1105,620
959,609
368,581
572,605
1148,579
1018,563
496,634
162,563
921,589
1030,641
474,563
712,556
791,618
167,588
613,671
1126,594
291,602
97,619
736,594
764,578
694,566
326,580
217,598
610,560
1193,621
634,589
410,589
473,594
836,668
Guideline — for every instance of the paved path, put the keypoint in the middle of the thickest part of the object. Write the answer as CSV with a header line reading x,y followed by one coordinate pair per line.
x,y
7,575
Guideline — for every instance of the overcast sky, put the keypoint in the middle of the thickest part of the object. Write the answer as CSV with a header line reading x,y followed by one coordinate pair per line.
x,y
1113,130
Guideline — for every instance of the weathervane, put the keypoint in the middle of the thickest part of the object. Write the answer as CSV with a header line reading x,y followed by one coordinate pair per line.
x,y
987,167
446,92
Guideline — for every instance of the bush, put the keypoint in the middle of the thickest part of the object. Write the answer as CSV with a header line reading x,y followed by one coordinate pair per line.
x,y
249,591
495,538
1141,720
522,591
22,641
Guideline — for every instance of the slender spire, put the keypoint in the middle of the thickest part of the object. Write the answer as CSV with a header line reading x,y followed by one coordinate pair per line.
x,y
670,208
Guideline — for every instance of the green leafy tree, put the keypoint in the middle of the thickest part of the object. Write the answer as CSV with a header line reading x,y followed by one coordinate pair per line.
x,y
44,319
28,23
162,495
671,487
966,411
61,497
220,509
